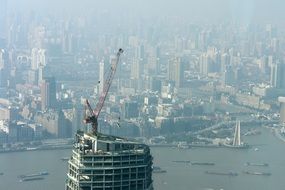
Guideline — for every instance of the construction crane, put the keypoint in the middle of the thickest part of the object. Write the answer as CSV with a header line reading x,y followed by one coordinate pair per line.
x,y
92,117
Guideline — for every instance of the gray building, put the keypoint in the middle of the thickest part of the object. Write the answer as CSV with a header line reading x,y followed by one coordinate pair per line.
x,y
176,68
3,22
48,93
277,76
282,109
130,109
100,162
55,123
228,76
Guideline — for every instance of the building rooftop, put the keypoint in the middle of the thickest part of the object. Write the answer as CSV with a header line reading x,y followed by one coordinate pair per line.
x,y
281,99
88,143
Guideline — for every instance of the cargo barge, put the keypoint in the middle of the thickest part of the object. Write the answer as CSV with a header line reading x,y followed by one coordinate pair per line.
x,y
222,173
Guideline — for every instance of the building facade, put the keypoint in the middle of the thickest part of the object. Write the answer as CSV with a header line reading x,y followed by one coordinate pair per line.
x,y
48,93
282,109
277,77
109,163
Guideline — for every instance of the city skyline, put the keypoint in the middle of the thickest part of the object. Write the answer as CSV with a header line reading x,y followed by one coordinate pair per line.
x,y
149,88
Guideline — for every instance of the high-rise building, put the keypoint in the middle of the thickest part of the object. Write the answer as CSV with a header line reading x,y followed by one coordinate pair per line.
x,y
78,113
153,63
3,14
38,62
212,61
277,75
228,76
67,42
130,109
4,70
203,40
137,68
48,93
225,61
176,71
38,36
55,123
2,78
138,62
204,64
2,58
155,84
282,109
38,58
100,162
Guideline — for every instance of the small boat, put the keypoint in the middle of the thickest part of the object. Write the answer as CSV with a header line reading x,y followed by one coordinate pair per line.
x,y
65,158
252,132
31,179
34,175
257,173
181,161
222,173
156,169
256,164
202,163
31,148
183,145
241,146
194,163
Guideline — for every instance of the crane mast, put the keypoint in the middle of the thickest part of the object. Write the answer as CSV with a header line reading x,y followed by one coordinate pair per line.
x,y
94,114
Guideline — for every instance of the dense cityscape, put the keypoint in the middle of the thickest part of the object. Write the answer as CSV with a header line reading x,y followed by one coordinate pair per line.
x,y
178,84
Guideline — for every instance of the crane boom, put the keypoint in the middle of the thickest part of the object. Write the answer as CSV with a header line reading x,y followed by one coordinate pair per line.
x,y
107,84
94,114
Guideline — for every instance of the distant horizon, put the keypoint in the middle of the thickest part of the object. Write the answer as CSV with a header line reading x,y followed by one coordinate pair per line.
x,y
242,11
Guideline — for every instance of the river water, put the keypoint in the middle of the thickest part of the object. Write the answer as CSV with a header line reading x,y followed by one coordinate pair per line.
x,y
179,176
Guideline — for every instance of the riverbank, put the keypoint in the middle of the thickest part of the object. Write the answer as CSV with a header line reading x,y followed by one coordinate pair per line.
x,y
26,149
277,133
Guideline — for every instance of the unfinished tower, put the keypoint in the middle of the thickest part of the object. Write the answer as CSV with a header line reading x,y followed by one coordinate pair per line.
x,y
109,163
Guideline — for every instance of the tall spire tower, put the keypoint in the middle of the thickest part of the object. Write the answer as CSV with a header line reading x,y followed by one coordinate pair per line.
x,y
236,141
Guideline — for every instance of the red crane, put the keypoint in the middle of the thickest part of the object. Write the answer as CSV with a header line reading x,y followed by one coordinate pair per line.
x,y
92,118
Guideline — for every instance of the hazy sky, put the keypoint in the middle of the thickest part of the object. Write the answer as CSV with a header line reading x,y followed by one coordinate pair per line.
x,y
246,11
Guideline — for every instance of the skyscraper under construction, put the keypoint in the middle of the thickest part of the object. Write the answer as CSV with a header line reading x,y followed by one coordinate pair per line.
x,y
109,163
104,162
